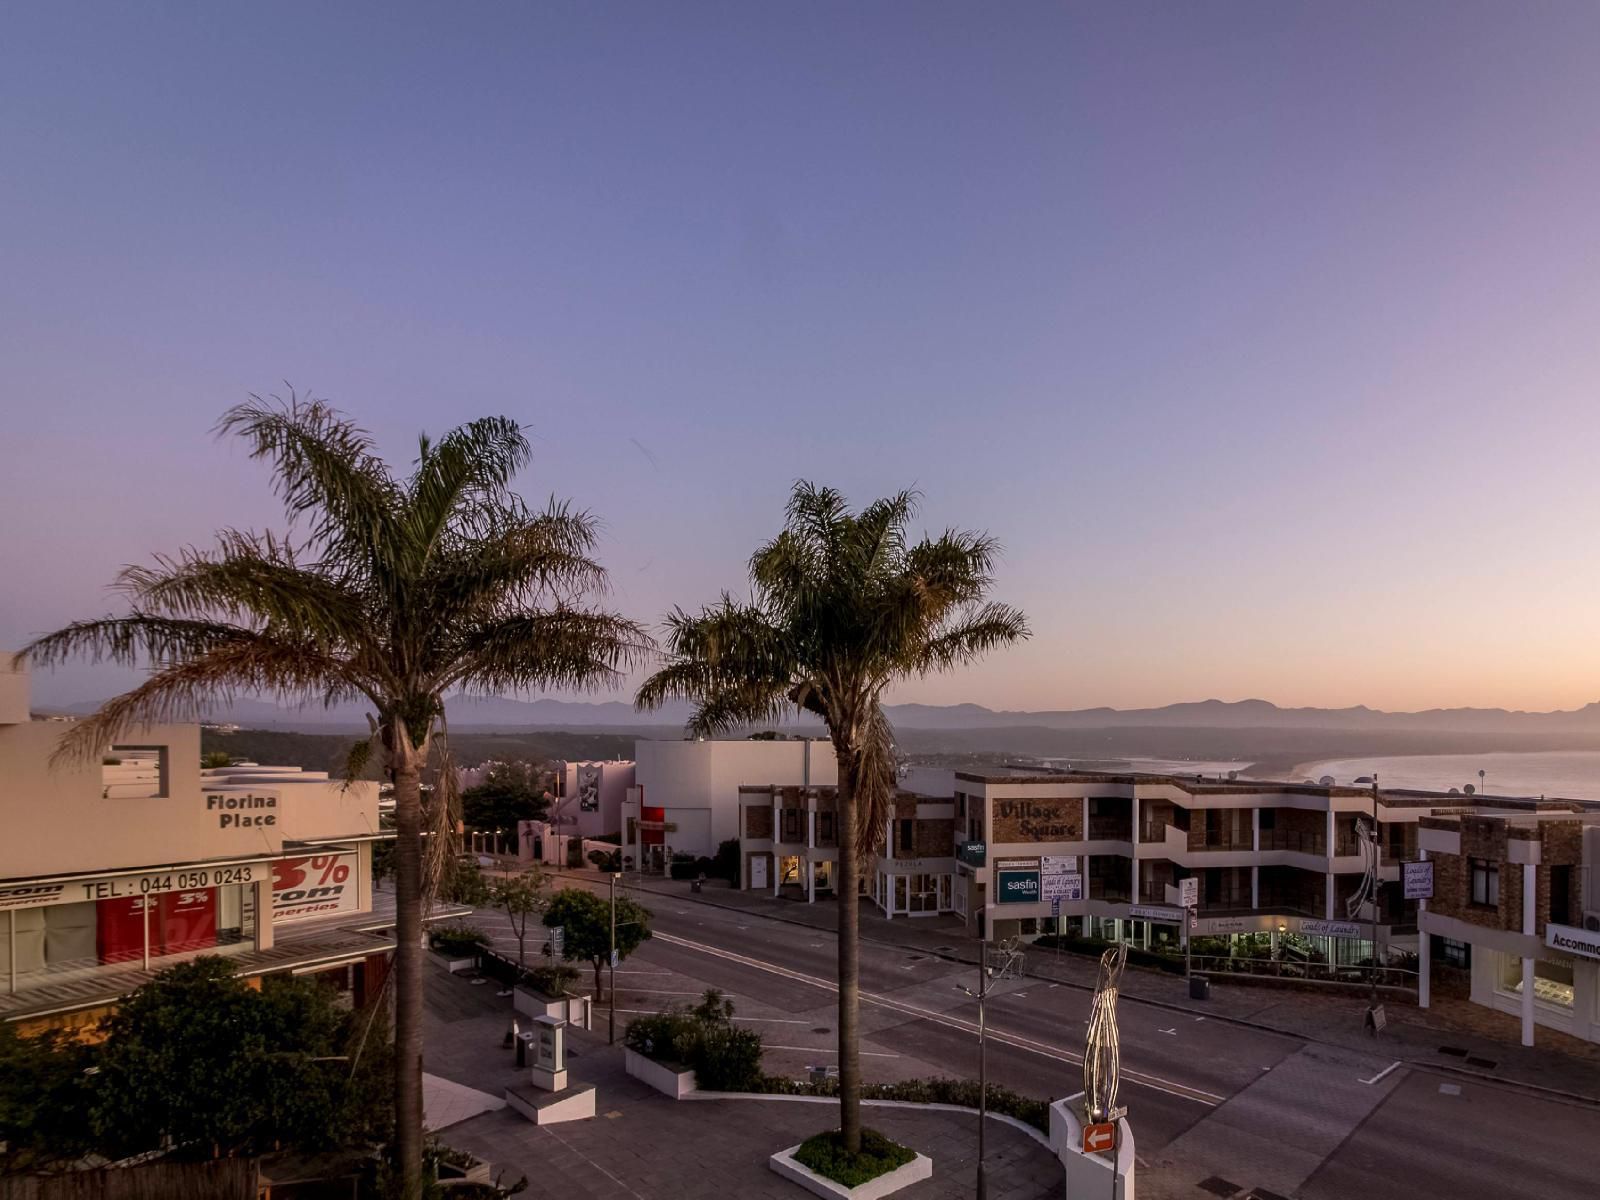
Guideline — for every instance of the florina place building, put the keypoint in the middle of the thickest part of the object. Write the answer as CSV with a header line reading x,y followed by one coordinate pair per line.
x,y
115,868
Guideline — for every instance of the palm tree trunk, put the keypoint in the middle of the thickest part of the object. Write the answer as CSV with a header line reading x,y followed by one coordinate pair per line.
x,y
407,771
849,902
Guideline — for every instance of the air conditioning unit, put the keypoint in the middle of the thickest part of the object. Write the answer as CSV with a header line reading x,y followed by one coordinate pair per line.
x,y
1591,921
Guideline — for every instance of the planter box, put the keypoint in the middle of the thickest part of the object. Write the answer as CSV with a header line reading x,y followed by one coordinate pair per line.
x,y
454,965
676,1084
478,1172
530,1002
915,1171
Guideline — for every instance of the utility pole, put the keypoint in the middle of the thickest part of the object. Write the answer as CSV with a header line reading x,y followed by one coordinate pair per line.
x,y
983,1059
1377,850
611,987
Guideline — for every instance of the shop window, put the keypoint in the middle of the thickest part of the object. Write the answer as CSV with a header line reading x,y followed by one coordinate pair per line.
x,y
1485,883
825,827
1552,981
904,841
791,824
1561,895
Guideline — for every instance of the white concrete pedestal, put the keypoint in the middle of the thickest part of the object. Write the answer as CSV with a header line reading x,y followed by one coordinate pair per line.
x,y
1090,1174
549,1081
551,1108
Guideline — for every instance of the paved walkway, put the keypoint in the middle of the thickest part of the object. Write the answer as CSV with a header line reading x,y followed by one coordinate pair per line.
x,y
644,1146
1454,1035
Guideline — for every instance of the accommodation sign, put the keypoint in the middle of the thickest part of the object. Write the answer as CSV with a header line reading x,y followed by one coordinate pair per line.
x,y
1573,941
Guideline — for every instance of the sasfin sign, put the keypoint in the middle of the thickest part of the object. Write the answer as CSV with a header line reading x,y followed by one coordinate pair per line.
x,y
1016,880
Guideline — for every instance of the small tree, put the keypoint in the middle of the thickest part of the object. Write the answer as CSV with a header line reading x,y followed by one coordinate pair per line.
x,y
519,897
213,759
586,918
44,1094
510,794
465,883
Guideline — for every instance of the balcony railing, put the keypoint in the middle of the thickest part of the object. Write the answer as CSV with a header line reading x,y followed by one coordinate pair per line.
x,y
1299,843
1111,829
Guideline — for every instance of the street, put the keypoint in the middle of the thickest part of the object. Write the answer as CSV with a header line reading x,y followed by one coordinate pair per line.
x,y
1209,1101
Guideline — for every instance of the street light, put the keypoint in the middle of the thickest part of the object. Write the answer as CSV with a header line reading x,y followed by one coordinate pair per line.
x,y
987,977
611,969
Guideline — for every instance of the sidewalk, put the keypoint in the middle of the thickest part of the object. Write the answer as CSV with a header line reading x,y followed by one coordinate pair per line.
x,y
1454,1035
642,1145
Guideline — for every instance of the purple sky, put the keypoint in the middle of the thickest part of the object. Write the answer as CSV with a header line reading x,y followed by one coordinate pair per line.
x,y
1264,335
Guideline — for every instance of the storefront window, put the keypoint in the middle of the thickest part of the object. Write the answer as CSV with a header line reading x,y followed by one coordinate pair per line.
x,y
1552,981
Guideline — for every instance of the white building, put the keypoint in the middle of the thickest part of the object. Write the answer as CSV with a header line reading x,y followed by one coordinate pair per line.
x,y
589,797
685,798
113,868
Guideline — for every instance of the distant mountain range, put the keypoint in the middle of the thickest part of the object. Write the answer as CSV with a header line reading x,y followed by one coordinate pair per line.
x,y
502,713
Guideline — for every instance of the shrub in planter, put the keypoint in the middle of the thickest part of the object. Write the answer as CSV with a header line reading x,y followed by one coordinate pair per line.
x,y
962,1092
723,1057
727,1059
458,941
552,981
825,1154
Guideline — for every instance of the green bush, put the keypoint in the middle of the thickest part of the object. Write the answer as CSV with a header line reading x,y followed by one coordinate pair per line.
x,y
704,1040
825,1154
458,941
552,981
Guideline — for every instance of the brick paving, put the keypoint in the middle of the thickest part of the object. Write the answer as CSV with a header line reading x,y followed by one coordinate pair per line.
x,y
644,1146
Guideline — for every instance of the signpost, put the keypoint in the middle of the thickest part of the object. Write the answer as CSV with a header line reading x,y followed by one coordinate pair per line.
x,y
1188,900
558,942
1418,879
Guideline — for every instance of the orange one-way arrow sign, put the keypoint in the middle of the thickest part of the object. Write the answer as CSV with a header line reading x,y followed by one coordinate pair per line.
x,y
1097,1139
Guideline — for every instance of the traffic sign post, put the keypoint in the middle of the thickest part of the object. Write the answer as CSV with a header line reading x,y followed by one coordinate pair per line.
x,y
1100,1139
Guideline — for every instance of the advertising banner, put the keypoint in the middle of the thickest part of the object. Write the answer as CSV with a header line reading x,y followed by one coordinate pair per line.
x,y
588,789
1418,880
314,886
1016,880
118,887
1059,877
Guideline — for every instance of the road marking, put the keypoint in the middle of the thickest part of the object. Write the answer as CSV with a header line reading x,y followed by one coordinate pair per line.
x,y
1014,1040
832,1050
1381,1073
662,992
652,1012
1173,1031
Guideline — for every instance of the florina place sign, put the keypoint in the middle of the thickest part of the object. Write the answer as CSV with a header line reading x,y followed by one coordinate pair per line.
x,y
242,812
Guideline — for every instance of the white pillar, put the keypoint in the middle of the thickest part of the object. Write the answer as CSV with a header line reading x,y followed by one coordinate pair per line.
x,y
1424,951
1255,830
811,828
264,913
1327,903
811,881
1529,909
1255,887
1136,824
777,840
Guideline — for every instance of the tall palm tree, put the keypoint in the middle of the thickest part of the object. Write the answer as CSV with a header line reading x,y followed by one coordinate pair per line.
x,y
842,608
388,590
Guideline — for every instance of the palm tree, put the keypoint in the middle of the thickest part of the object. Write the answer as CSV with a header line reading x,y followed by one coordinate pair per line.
x,y
842,609
396,591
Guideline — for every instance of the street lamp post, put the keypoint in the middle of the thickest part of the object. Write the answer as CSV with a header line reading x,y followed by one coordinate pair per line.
x,y
611,968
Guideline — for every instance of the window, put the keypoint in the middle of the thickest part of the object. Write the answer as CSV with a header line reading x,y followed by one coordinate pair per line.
x,y
1552,981
1451,952
904,843
134,773
1485,883
1269,818
1561,895
791,824
825,827
1106,806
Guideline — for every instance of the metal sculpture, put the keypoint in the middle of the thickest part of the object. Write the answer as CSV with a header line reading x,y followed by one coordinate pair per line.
x,y
1100,1057
1367,893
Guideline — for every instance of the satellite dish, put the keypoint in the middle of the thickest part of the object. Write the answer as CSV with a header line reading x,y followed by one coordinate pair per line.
x,y
1455,791
1233,774
1326,781
1469,789
1312,782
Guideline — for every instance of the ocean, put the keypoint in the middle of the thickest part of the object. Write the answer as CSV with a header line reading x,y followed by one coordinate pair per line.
x,y
1573,774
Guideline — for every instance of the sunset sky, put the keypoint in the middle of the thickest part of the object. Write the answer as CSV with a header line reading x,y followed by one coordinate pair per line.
x,y
1265,336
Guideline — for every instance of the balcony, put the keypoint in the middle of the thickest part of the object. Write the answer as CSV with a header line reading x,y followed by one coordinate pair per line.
x,y
1295,843
1111,829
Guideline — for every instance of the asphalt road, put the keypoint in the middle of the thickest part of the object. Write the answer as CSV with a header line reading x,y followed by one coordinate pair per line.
x,y
1260,1109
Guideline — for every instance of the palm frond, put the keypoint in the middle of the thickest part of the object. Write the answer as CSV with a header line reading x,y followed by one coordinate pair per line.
x,y
128,641
462,478
546,555
560,648
991,627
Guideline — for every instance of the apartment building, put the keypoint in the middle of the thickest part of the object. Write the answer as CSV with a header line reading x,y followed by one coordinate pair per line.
x,y
789,844
1516,904
686,795
1109,853
112,869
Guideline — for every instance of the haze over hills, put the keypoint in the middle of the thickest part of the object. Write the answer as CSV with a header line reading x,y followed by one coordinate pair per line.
x,y
501,712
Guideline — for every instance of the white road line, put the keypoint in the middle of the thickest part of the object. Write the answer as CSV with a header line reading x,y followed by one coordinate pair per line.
x,y
834,1050
1015,1040
651,1012
1381,1073
660,992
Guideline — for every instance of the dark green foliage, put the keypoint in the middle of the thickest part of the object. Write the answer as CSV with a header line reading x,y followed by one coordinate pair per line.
x,y
726,863
44,1095
511,793
606,861
703,1039
218,1067
825,1154
552,981
458,941
462,881
587,921
1097,946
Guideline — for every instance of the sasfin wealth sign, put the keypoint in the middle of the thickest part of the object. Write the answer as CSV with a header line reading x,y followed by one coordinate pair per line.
x,y
1016,880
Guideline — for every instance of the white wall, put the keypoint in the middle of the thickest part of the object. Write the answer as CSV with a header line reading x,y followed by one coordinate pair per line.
x,y
616,777
698,782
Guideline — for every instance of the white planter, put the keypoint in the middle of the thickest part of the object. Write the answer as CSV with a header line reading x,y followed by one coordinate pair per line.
x,y
536,1004
676,1084
915,1171
454,965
